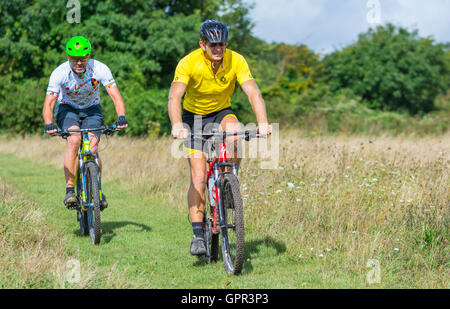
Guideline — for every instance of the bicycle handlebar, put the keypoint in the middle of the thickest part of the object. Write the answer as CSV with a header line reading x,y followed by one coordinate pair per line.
x,y
108,130
249,134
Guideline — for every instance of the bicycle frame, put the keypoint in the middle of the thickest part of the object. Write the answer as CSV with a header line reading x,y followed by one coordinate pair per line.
x,y
215,170
86,155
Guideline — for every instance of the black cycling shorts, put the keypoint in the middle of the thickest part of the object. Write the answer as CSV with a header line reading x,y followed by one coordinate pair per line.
x,y
202,124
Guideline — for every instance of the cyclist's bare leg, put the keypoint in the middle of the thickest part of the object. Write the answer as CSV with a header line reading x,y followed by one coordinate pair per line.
x,y
196,196
71,157
94,141
231,124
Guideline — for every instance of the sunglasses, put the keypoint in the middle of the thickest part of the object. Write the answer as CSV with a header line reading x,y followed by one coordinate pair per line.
x,y
79,59
212,45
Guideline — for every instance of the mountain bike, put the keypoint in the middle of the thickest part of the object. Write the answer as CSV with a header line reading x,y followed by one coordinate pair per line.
x,y
88,183
223,214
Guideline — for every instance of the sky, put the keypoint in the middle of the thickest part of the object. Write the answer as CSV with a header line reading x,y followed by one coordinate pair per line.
x,y
327,25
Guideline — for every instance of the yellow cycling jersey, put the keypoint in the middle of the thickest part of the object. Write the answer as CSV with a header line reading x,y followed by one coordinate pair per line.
x,y
205,92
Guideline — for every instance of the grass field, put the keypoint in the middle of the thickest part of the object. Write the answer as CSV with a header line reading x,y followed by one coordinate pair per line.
x,y
332,207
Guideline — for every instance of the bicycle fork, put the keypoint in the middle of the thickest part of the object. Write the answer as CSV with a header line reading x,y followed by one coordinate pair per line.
x,y
82,178
215,194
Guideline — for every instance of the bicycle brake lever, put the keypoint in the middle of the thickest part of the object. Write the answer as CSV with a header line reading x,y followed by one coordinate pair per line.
x,y
249,136
64,135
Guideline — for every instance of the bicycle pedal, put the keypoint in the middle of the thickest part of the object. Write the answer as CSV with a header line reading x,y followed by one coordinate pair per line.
x,y
71,206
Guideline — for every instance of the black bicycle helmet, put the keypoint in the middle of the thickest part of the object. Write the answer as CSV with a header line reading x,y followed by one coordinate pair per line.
x,y
213,31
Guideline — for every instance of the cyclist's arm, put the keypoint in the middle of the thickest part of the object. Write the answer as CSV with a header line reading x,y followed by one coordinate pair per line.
x,y
54,86
119,104
176,93
47,111
259,108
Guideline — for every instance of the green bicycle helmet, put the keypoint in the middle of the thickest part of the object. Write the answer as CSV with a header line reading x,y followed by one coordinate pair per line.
x,y
78,46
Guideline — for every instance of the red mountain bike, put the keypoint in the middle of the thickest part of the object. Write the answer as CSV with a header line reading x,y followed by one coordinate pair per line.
x,y
225,215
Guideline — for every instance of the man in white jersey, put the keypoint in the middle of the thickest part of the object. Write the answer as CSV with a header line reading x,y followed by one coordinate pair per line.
x,y
75,86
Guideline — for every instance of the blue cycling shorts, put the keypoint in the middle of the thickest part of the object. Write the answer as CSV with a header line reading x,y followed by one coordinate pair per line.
x,y
91,117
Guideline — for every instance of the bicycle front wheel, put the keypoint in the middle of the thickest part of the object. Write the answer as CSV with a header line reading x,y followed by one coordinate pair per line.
x,y
232,230
93,200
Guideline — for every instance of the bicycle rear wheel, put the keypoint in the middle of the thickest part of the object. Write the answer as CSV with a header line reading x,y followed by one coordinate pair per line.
x,y
83,220
81,214
211,238
93,201
232,230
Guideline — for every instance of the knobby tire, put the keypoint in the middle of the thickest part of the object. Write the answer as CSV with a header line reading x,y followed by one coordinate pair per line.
x,y
232,232
93,196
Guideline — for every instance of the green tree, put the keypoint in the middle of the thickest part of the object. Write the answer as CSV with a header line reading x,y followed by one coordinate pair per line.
x,y
299,67
140,40
391,69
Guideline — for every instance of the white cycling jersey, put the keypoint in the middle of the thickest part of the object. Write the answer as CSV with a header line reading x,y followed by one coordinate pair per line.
x,y
79,92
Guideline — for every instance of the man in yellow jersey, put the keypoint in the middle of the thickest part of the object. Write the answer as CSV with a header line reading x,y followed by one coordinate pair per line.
x,y
208,76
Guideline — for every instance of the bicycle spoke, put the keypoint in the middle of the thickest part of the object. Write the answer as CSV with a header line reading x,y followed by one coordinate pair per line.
x,y
93,201
233,225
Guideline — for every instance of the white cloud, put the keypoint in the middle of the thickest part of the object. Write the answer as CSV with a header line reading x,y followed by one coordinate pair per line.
x,y
286,20
430,17
324,25
294,10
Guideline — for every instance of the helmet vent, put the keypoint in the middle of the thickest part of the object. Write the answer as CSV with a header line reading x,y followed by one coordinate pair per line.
x,y
214,31
78,46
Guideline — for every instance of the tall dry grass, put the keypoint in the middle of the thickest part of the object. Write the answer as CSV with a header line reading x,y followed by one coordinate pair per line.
x,y
340,200
32,255
348,200
139,164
